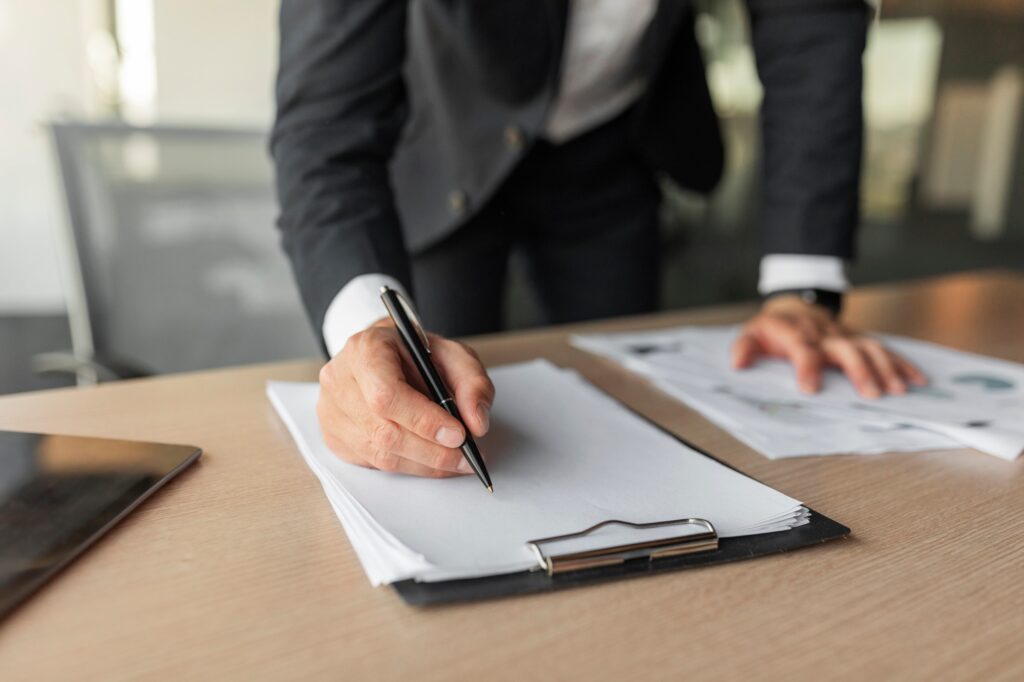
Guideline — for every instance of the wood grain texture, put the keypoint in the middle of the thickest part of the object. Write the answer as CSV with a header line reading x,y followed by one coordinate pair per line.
x,y
239,569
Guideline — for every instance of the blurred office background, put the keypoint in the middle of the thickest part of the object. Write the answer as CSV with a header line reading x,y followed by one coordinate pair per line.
x,y
136,210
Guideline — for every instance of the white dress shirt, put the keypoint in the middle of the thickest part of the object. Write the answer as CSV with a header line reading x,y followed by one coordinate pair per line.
x,y
600,79
600,76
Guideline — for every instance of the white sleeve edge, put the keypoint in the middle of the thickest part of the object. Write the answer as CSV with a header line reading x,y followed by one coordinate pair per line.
x,y
356,307
781,271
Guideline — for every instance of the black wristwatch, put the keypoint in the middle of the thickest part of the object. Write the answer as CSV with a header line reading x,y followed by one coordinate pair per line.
x,y
830,300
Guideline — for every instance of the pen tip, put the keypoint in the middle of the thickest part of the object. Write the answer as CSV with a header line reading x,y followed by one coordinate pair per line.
x,y
490,489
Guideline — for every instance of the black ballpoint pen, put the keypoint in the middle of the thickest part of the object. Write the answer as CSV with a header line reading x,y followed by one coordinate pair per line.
x,y
415,340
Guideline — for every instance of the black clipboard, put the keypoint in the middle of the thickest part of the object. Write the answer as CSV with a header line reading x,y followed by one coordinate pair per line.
x,y
690,551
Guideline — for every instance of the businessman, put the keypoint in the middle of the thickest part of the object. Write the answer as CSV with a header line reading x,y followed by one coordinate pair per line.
x,y
417,144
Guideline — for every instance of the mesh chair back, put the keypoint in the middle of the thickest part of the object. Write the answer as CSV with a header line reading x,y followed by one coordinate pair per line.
x,y
177,264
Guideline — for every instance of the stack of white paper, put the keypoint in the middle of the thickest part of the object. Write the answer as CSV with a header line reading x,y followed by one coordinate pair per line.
x,y
563,457
970,400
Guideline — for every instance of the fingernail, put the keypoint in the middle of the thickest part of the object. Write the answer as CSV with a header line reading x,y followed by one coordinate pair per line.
x,y
483,411
463,467
871,391
897,387
449,437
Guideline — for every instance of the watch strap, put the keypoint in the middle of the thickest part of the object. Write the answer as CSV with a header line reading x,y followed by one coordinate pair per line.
x,y
830,300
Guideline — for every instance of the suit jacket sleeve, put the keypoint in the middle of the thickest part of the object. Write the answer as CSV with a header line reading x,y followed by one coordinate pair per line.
x,y
809,60
341,106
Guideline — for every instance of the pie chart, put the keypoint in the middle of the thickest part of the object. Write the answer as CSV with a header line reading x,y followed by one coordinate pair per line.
x,y
985,381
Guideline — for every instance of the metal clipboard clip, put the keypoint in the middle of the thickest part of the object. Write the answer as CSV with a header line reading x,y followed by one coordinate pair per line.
x,y
657,547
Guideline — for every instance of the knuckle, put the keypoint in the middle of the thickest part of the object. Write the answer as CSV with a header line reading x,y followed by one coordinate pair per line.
x,y
797,351
446,460
869,342
847,347
355,342
813,335
801,330
805,345
426,423
326,375
480,384
386,436
885,363
861,371
806,360
381,398
384,460
858,366
362,342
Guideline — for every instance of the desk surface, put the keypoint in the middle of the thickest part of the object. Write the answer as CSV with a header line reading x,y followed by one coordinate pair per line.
x,y
240,568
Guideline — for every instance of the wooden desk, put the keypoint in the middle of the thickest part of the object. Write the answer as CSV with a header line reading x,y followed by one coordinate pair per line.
x,y
240,570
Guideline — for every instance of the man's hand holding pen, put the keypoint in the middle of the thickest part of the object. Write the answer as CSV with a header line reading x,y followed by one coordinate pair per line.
x,y
374,410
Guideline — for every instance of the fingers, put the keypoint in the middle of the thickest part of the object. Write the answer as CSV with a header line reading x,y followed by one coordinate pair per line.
x,y
872,367
895,371
467,379
884,365
809,343
780,337
849,357
382,380
389,442
371,416
807,362
386,461
910,371
360,437
745,350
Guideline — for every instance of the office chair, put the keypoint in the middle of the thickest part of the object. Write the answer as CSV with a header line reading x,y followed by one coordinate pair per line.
x,y
171,259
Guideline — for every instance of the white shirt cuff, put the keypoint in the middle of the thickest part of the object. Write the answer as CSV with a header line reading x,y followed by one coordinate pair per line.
x,y
355,308
781,271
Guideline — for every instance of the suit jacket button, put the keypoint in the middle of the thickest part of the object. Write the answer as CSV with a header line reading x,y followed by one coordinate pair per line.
x,y
514,138
457,201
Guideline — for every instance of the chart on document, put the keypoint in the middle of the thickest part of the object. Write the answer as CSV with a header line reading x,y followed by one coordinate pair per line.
x,y
969,401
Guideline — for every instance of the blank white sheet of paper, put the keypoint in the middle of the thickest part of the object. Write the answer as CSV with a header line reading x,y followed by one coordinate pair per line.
x,y
563,456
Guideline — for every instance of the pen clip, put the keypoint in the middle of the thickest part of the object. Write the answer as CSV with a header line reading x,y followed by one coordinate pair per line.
x,y
413,317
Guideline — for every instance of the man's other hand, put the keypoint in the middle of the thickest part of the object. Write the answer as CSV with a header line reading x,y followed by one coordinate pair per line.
x,y
374,410
811,338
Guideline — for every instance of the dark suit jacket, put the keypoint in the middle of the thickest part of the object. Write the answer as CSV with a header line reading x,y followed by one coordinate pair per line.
x,y
396,120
